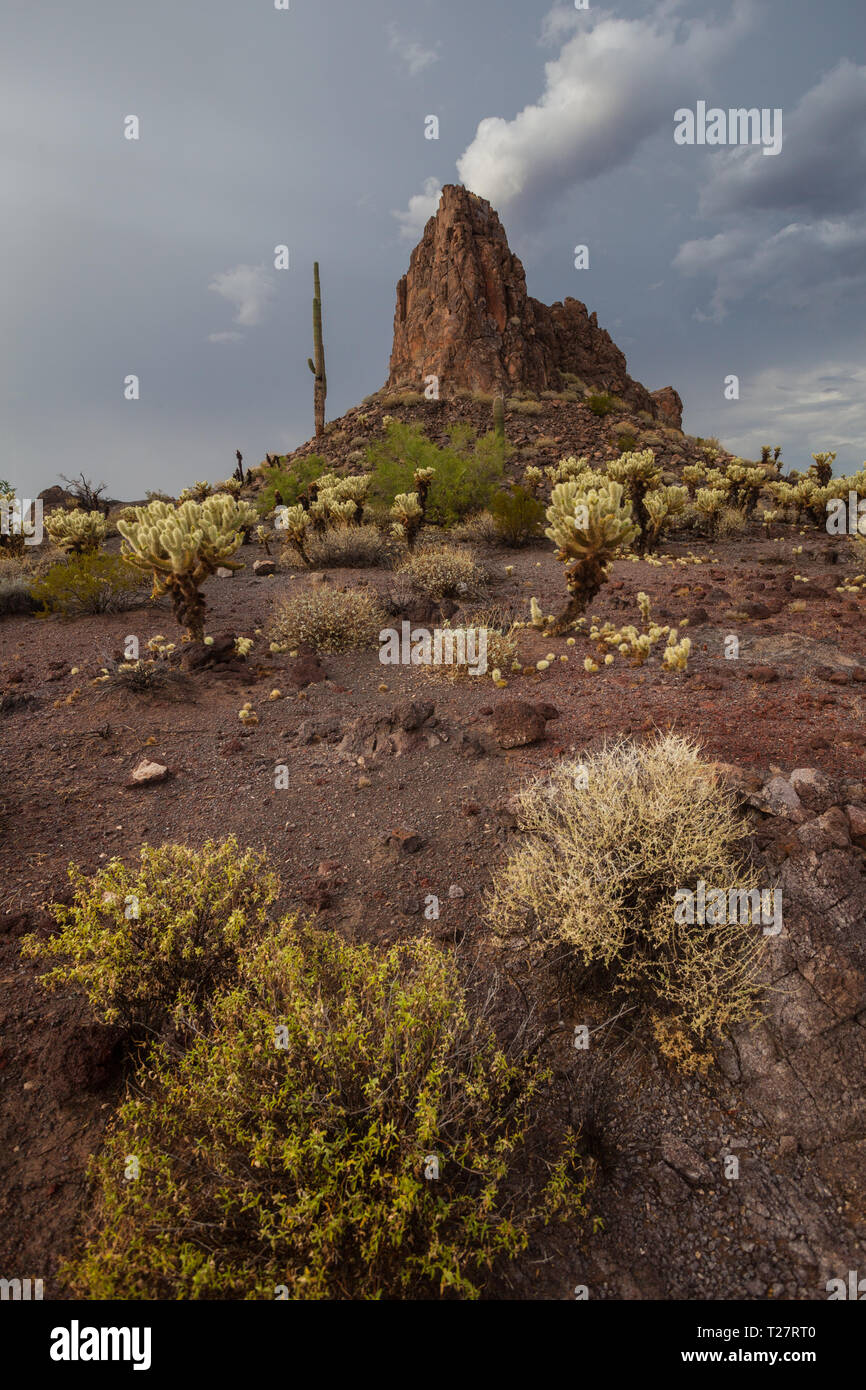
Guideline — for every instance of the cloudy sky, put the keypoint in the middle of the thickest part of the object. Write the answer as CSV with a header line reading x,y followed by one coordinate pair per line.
x,y
305,127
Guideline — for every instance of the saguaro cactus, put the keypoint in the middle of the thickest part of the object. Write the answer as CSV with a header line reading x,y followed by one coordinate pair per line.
x,y
317,367
499,419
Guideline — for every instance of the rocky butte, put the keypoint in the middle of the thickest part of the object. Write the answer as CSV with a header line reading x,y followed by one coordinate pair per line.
x,y
463,315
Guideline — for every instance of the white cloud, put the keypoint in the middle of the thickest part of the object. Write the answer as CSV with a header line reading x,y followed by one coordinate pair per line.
x,y
615,83
414,56
248,288
421,208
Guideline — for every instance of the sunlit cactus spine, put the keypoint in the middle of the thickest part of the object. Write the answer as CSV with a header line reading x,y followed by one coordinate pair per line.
x,y
181,546
316,363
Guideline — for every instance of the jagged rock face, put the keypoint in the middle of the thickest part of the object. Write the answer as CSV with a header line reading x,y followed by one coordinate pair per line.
x,y
463,315
669,406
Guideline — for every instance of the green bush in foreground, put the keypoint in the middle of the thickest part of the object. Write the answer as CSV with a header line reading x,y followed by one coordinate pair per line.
x,y
147,941
291,1151
90,583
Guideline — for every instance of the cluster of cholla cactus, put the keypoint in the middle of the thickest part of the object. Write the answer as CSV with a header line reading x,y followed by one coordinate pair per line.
x,y
811,496
588,527
197,493
181,546
335,502
409,508
76,532
636,645
639,475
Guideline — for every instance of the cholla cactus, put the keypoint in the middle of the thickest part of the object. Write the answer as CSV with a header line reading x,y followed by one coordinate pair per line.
x,y
676,654
181,546
824,467
78,531
746,482
263,537
294,522
197,493
709,502
693,475
532,479
568,468
232,486
408,514
662,505
639,474
588,528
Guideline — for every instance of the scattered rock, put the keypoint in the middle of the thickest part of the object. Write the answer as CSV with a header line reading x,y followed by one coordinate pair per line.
x,y
778,798
813,788
264,568
516,723
765,675
147,773
304,671
405,840
411,714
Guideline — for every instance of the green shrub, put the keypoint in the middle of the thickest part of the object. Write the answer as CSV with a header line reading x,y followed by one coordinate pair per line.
x,y
290,1152
626,442
93,583
601,404
329,620
285,485
518,406
609,843
518,515
149,941
467,469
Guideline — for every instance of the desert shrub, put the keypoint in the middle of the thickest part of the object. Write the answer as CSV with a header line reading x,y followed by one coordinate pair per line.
x,y
93,583
286,484
443,572
626,442
16,597
500,649
152,676
294,1151
609,842
518,406
346,547
466,469
601,404
518,515
152,942
329,620
731,521
406,399
76,532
